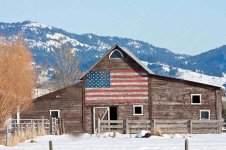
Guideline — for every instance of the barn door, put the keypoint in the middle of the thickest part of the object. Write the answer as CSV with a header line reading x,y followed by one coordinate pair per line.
x,y
102,113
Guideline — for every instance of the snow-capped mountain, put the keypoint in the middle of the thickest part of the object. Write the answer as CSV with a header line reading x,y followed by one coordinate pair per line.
x,y
44,39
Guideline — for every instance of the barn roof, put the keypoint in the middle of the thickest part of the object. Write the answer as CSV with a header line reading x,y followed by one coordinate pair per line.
x,y
137,60
130,54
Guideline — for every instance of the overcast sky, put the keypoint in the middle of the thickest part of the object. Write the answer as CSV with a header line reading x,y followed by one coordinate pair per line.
x,y
182,26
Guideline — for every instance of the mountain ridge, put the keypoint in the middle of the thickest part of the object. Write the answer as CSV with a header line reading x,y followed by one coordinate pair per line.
x,y
44,39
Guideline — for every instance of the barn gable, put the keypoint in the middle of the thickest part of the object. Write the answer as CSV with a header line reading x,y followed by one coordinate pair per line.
x,y
117,78
131,61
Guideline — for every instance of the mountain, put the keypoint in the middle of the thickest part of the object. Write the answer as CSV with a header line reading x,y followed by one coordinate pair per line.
x,y
44,39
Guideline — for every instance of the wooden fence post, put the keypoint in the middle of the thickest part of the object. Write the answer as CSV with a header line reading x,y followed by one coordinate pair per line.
x,y
59,126
50,125
26,128
50,145
153,125
190,126
186,144
127,126
63,128
98,126
6,136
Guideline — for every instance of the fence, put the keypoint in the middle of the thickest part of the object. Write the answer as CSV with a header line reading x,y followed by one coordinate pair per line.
x,y
166,126
51,126
25,124
224,127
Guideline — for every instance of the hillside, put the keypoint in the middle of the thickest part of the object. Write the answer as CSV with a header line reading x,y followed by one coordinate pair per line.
x,y
44,39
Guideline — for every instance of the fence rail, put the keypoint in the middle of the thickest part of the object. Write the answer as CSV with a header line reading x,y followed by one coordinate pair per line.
x,y
167,126
224,127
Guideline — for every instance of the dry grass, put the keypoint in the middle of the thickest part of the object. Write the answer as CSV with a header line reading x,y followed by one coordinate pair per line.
x,y
158,132
14,140
30,133
41,131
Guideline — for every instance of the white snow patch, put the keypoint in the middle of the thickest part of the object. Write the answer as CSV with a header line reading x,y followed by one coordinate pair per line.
x,y
165,68
201,78
124,142
145,63
102,46
39,92
39,25
134,43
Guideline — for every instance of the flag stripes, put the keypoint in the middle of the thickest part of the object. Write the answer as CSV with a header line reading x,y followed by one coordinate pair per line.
x,y
124,86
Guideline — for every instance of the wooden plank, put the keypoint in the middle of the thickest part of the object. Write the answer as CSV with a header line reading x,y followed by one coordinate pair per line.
x,y
204,126
111,121
205,121
112,130
171,126
138,121
171,121
111,126
140,126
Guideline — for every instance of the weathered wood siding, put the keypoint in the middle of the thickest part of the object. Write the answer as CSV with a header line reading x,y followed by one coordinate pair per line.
x,y
171,99
68,101
125,110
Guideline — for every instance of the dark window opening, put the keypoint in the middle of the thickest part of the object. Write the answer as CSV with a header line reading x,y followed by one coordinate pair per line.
x,y
113,113
54,114
205,115
138,110
196,99
116,54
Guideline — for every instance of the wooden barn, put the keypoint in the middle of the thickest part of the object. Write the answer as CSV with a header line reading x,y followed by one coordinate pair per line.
x,y
120,93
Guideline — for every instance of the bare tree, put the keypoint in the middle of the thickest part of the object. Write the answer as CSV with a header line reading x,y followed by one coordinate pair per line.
x,y
66,68
17,78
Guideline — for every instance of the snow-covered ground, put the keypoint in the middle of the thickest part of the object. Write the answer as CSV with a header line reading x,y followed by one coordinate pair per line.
x,y
124,142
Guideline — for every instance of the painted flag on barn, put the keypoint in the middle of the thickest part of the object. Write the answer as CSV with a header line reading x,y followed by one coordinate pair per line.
x,y
116,86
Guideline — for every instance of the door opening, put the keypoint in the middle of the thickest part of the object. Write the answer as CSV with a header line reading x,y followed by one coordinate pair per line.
x,y
113,113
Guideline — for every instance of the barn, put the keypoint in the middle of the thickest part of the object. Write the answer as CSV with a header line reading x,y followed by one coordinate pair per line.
x,y
120,93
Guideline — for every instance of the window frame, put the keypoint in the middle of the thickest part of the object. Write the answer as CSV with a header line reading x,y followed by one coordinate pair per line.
x,y
119,52
54,110
142,110
200,95
204,110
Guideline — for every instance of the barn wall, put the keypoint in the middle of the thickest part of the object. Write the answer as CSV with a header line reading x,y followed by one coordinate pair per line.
x,y
69,103
125,110
171,99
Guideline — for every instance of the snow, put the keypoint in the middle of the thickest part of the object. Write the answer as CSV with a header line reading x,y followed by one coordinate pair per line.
x,y
39,92
195,76
107,141
201,78
39,25
166,68
102,46
134,43
145,63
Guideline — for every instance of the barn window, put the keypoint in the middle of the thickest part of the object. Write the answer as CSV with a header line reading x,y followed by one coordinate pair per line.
x,y
55,113
196,99
204,114
137,109
116,54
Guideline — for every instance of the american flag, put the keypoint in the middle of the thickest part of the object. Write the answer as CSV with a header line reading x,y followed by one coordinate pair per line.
x,y
116,86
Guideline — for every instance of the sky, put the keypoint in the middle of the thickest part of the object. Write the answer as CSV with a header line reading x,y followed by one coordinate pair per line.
x,y
182,26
